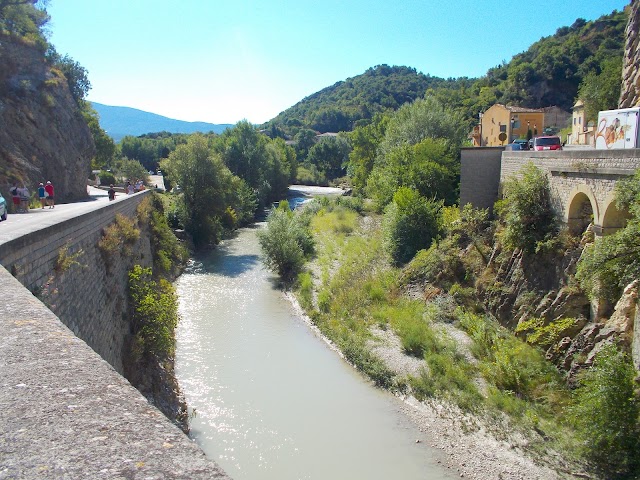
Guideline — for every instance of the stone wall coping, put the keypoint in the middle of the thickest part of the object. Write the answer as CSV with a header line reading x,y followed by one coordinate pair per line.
x,y
617,172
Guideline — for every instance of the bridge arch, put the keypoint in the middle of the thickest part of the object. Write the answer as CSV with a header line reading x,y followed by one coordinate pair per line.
x,y
613,219
582,209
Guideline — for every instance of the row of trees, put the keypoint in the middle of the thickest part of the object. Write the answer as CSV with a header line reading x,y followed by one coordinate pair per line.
x,y
226,179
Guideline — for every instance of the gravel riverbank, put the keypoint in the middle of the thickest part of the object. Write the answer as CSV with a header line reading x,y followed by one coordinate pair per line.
x,y
469,449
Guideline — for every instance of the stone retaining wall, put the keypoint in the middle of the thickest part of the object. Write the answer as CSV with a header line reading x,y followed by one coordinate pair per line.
x,y
480,176
89,297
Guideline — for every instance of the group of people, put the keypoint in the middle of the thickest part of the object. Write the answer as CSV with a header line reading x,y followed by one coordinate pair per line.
x,y
21,196
136,186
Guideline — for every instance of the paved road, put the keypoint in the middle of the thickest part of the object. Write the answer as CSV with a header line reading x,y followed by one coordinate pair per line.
x,y
18,224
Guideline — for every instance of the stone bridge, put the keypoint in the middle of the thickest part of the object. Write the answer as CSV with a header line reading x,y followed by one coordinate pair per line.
x,y
582,182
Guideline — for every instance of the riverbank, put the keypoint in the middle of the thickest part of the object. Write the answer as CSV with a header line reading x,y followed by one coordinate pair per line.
x,y
467,446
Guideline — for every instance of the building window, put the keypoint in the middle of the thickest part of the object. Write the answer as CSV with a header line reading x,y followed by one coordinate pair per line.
x,y
503,128
574,121
580,121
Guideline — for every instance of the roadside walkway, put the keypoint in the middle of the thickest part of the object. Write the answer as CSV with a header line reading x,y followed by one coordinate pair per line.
x,y
18,224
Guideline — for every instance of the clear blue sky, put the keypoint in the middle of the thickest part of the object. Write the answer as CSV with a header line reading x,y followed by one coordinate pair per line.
x,y
221,61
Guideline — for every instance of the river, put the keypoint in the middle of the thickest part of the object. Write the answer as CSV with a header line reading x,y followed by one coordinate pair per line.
x,y
270,399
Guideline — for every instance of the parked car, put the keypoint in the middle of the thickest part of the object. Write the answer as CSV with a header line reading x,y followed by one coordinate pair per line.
x,y
547,143
3,208
524,144
513,146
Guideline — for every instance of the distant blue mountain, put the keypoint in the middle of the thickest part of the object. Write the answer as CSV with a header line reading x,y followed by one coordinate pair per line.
x,y
121,121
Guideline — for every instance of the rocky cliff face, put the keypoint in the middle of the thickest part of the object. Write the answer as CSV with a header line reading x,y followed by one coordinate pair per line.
x,y
630,95
43,135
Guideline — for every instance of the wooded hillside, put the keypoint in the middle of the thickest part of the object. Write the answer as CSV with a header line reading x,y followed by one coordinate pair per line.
x,y
548,73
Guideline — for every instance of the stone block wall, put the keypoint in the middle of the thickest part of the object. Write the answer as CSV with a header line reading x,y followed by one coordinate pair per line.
x,y
89,296
480,176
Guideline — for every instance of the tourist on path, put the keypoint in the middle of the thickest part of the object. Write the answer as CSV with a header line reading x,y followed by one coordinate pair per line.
x,y
49,189
111,192
130,190
25,196
15,197
42,194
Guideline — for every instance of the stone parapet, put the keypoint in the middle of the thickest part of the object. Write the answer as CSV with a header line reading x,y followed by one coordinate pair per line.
x,y
65,413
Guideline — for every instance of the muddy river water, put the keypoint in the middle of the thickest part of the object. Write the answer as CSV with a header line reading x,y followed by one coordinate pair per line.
x,y
270,399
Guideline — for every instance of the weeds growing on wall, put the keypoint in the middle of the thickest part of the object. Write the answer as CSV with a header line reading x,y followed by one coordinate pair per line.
x,y
119,237
66,260
154,311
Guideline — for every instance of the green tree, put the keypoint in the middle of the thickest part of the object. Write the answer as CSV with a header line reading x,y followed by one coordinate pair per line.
x,y
105,146
601,91
261,162
330,155
526,210
76,75
365,140
205,182
410,224
428,167
154,306
424,118
132,170
305,139
25,19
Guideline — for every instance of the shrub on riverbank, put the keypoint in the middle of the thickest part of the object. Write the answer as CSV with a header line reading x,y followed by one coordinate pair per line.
x,y
285,242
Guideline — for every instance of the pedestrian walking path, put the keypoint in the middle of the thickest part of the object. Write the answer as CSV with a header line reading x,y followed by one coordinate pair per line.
x,y
19,224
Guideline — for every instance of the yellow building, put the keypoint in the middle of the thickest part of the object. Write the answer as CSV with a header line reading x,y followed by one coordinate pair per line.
x,y
581,131
512,122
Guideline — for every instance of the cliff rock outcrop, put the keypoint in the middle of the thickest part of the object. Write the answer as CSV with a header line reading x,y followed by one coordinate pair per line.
x,y
43,135
630,94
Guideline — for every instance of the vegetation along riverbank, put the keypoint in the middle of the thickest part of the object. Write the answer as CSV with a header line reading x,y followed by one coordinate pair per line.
x,y
490,396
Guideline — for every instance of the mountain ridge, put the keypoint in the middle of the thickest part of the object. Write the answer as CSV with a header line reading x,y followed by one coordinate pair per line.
x,y
120,121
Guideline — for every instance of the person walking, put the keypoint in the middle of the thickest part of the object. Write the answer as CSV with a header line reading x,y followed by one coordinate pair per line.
x,y
15,197
42,194
49,189
25,196
111,192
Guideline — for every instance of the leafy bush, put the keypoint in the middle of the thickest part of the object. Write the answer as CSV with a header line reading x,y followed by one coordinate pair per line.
x,y
410,224
440,265
605,412
120,236
154,306
537,333
285,243
107,178
508,363
526,210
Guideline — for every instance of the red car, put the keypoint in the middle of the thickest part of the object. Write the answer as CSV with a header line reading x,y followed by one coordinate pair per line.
x,y
547,143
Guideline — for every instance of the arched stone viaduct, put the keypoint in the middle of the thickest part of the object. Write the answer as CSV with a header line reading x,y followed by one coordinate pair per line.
x,y
582,182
